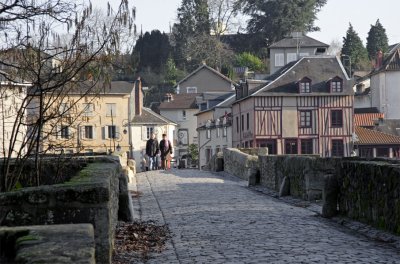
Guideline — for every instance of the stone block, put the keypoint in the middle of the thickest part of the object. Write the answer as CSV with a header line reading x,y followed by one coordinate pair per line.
x,y
330,196
72,243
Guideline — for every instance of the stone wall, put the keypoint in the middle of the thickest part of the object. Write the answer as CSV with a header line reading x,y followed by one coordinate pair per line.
x,y
90,197
240,164
304,175
48,244
369,191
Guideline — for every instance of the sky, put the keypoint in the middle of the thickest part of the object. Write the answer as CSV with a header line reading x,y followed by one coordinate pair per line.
x,y
333,19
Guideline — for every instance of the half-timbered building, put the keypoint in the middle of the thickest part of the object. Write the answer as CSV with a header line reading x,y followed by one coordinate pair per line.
x,y
306,107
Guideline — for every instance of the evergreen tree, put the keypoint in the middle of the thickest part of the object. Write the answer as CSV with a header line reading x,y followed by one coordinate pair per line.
x,y
377,40
272,20
354,48
193,20
153,50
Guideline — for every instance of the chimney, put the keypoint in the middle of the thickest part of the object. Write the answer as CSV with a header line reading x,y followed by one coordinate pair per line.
x,y
379,59
138,97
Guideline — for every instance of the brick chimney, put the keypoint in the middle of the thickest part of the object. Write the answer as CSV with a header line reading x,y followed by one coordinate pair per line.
x,y
379,59
138,97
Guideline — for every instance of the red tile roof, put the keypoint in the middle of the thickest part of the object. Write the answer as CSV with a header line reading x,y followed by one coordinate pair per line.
x,y
367,119
372,137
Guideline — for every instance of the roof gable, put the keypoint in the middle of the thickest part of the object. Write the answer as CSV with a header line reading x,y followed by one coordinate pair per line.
x,y
205,67
319,69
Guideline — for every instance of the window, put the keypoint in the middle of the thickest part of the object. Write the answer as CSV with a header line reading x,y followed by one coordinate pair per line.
x,y
88,132
366,152
242,122
111,109
208,134
88,109
305,54
248,121
291,57
279,60
305,119
64,132
336,87
208,154
237,124
225,132
270,144
191,89
112,132
337,147
382,152
183,114
149,131
306,146
336,118
305,87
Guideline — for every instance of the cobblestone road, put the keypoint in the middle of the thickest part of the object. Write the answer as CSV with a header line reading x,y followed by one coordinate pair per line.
x,y
216,219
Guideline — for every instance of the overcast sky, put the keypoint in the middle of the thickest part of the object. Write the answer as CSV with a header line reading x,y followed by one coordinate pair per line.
x,y
333,19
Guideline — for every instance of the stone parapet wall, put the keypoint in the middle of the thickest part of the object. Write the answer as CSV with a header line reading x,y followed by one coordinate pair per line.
x,y
304,174
240,164
73,243
90,197
369,191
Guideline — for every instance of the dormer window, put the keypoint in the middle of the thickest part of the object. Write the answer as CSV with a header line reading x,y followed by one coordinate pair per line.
x,y
305,85
336,85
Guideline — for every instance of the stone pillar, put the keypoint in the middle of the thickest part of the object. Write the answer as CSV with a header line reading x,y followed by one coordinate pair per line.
x,y
330,196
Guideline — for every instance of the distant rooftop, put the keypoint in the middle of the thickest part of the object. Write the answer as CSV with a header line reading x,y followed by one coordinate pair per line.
x,y
294,40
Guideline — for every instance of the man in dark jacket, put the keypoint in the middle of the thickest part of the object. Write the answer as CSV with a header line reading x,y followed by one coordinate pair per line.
x,y
151,152
166,151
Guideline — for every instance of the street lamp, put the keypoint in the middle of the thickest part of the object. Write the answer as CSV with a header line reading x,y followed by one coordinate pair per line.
x,y
349,59
118,148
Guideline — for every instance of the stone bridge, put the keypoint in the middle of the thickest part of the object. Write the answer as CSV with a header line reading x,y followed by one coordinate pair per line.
x,y
216,218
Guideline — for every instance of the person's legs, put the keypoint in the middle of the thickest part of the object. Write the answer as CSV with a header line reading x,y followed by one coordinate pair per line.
x,y
151,163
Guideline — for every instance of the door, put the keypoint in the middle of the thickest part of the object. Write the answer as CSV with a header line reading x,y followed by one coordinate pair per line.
x,y
291,146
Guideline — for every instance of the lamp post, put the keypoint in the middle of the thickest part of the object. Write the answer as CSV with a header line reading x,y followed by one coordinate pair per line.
x,y
349,59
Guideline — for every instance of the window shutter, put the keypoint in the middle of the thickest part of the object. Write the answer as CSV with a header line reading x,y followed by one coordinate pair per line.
x,y
144,133
57,131
81,130
94,132
118,135
103,132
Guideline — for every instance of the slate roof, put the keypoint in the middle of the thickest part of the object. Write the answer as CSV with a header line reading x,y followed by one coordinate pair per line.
x,y
320,69
291,42
224,104
367,120
204,66
181,101
372,137
148,117
391,63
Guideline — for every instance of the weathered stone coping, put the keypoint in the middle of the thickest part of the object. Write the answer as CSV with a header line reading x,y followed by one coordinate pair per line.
x,y
90,197
48,244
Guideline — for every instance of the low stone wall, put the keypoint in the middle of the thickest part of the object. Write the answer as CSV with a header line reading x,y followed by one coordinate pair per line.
x,y
90,197
48,244
303,175
240,164
369,191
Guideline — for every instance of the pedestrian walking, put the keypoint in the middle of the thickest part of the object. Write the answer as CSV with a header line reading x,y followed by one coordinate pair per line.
x,y
151,151
166,151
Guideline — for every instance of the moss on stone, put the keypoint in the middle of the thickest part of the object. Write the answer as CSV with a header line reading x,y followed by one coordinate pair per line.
x,y
26,238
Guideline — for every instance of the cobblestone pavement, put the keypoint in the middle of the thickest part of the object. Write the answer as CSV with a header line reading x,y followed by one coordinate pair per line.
x,y
216,219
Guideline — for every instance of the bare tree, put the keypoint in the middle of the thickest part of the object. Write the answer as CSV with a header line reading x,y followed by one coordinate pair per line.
x,y
222,16
50,66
